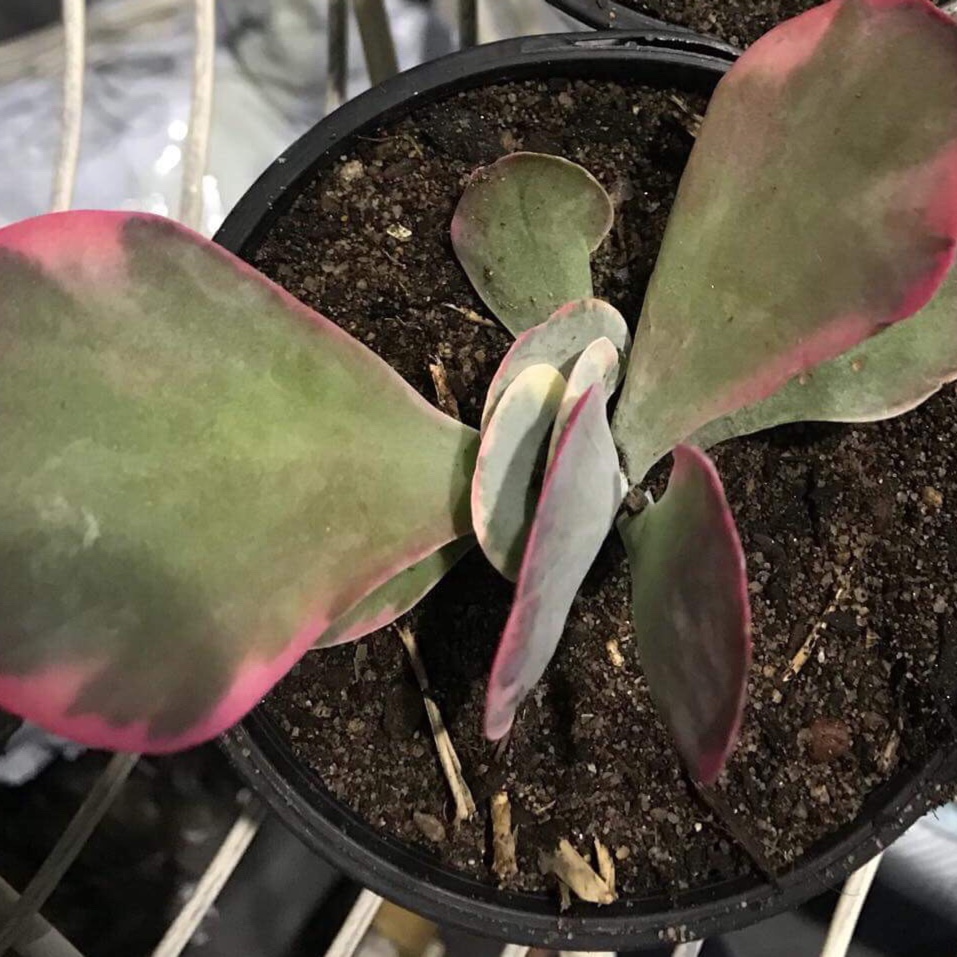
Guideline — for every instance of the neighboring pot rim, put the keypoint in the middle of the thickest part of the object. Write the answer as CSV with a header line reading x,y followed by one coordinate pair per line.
x,y
606,15
601,54
257,747
609,15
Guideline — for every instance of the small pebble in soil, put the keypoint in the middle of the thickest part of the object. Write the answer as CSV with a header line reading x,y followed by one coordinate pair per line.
x,y
430,826
830,739
820,794
351,171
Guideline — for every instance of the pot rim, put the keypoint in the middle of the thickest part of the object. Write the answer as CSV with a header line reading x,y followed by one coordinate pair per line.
x,y
610,15
402,872
515,59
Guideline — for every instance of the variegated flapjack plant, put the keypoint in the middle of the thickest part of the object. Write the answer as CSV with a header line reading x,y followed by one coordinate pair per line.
x,y
816,211
201,479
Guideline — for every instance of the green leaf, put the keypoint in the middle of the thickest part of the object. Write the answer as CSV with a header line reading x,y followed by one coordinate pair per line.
x,y
819,206
597,365
690,603
199,476
393,599
885,376
510,463
581,494
524,231
559,341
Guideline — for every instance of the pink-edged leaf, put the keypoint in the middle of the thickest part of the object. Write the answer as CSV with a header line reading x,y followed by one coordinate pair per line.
x,y
597,365
524,231
510,462
579,499
559,341
887,375
691,614
198,475
819,206
393,599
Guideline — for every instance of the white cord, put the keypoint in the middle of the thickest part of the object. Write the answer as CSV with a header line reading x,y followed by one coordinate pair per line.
x,y
40,938
515,950
230,853
590,953
356,924
39,53
200,116
691,949
68,846
848,909
74,42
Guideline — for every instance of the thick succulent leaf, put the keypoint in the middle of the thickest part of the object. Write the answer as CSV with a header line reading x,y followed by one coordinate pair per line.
x,y
199,475
885,376
524,231
506,483
597,365
394,598
690,603
818,207
559,341
580,497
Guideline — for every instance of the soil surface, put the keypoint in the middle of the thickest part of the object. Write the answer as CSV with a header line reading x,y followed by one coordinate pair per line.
x,y
849,527
739,22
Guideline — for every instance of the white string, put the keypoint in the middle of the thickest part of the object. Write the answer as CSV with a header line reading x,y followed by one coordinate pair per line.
x,y
690,949
200,115
356,925
848,909
71,121
71,842
230,853
40,938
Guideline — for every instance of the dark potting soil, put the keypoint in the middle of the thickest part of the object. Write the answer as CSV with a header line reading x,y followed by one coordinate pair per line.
x,y
739,22
852,528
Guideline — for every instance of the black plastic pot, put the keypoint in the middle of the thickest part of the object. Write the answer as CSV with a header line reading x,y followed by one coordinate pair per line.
x,y
605,15
262,754
608,15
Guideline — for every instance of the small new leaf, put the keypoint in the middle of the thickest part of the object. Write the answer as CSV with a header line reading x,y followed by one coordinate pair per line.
x,y
597,365
559,341
394,598
524,231
581,494
510,463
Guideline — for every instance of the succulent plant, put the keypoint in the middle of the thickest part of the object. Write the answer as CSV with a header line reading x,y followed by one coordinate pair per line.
x,y
202,479
813,215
